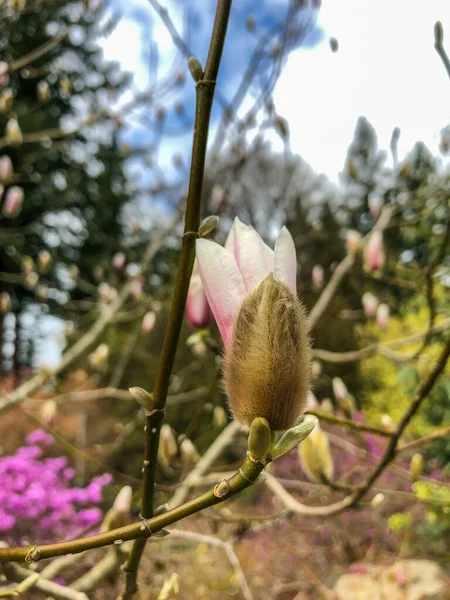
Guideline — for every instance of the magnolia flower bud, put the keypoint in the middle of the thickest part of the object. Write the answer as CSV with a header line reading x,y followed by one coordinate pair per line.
x,y
74,272
167,445
43,92
122,503
6,99
148,322
188,451
267,368
195,69
370,303
6,168
27,264
99,358
31,279
374,252
13,133
382,316
416,467
5,302
44,260
48,412
353,242
13,202
387,422
317,276
118,260
377,499
217,197
315,456
312,403
136,289
375,202
340,390
208,225
220,417
326,406
64,86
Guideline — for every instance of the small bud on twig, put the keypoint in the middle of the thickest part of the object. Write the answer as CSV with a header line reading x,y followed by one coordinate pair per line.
x,y
259,438
438,33
142,397
195,69
208,225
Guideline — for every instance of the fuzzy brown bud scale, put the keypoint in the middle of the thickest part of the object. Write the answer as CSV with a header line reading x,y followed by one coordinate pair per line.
x,y
267,366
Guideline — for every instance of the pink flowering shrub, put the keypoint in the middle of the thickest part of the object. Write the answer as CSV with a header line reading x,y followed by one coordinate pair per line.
x,y
37,500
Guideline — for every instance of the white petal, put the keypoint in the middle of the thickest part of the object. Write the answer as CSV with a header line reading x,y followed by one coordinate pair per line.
x,y
252,256
223,285
285,260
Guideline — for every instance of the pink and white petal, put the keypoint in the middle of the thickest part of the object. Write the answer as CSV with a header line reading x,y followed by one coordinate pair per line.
x,y
285,260
197,308
248,249
222,283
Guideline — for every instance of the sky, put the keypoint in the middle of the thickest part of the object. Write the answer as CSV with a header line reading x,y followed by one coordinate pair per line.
x,y
386,69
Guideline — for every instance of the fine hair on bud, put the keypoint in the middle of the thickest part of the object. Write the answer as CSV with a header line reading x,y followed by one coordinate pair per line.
x,y
267,366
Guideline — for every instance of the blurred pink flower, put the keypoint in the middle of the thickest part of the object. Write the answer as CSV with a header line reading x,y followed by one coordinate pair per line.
x,y
6,168
382,315
198,312
375,204
370,303
13,202
118,260
374,252
317,276
230,273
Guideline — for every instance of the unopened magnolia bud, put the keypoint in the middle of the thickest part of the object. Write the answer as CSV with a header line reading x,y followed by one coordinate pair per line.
x,y
374,252
44,260
5,302
31,279
188,451
267,366
353,242
316,369
99,358
382,316
74,272
6,100
136,289
416,467
28,264
348,406
217,197
64,86
250,23
122,503
220,417
167,445
48,412
13,133
340,390
208,225
370,304
326,406
315,456
259,438
195,69
375,202
377,499
43,91
98,272
13,202
148,322
118,260
6,169
312,402
387,422
142,397
317,276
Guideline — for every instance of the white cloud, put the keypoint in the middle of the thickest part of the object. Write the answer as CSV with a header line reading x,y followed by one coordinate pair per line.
x,y
386,69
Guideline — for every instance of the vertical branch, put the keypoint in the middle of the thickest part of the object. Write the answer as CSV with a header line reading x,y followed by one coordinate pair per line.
x,y
204,98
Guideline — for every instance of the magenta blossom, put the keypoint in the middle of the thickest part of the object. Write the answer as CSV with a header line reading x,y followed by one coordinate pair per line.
x,y
198,312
